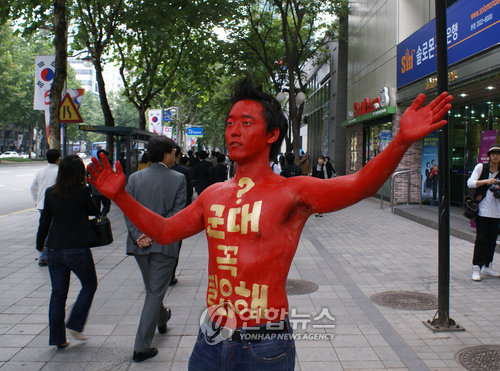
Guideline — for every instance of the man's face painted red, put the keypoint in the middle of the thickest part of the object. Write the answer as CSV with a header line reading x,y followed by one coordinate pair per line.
x,y
246,131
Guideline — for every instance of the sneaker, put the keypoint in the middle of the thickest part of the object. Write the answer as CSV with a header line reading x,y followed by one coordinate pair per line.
x,y
142,356
488,271
42,263
476,273
78,335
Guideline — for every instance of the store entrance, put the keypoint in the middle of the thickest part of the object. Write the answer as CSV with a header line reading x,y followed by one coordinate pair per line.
x,y
467,122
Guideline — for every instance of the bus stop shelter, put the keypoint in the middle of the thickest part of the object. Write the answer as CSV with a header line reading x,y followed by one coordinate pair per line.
x,y
127,141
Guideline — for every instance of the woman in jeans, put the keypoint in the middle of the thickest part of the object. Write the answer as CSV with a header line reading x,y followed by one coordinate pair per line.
x,y
485,178
65,219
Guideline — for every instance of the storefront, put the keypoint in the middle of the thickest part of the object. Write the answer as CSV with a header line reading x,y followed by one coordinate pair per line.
x,y
369,132
474,80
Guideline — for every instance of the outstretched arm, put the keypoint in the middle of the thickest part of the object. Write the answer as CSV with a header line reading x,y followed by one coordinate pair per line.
x,y
415,124
111,184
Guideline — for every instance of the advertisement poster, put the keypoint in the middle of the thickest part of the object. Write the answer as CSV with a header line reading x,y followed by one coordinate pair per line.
x,y
488,138
430,167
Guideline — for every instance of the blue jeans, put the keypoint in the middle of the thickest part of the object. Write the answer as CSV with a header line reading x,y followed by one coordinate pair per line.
x,y
267,354
42,255
61,263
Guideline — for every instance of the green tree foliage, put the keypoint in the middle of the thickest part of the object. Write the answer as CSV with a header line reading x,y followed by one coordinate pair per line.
x,y
17,68
164,45
277,38
97,21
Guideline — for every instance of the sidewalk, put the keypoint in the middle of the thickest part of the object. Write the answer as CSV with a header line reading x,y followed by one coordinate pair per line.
x,y
347,254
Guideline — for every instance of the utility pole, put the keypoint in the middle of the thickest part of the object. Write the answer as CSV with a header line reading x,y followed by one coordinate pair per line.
x,y
443,322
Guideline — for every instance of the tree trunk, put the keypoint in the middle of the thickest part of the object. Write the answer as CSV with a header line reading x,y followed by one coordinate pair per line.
x,y
60,74
106,110
142,116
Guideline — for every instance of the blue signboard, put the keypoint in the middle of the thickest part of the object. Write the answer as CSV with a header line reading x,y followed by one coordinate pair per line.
x,y
194,131
168,116
472,26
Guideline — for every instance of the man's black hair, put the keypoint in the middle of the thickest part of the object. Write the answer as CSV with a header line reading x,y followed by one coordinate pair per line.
x,y
184,160
158,146
245,89
289,157
106,153
177,150
220,157
53,155
202,154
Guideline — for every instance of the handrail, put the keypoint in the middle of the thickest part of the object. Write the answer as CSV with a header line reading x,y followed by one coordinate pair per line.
x,y
393,176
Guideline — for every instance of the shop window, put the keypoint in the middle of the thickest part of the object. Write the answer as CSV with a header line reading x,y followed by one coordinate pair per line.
x,y
354,150
377,138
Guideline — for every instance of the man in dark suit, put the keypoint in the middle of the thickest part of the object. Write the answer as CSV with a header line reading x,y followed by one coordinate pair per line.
x,y
163,191
201,173
183,169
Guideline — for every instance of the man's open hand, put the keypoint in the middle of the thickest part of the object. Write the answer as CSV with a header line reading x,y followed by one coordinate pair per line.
x,y
104,178
419,121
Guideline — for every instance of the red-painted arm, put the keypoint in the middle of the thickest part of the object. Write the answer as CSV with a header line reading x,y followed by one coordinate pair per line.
x,y
337,193
111,184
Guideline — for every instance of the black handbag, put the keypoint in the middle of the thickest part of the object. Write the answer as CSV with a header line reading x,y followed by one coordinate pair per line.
x,y
102,231
471,207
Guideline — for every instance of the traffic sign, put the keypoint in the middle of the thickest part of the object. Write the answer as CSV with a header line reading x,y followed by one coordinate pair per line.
x,y
68,112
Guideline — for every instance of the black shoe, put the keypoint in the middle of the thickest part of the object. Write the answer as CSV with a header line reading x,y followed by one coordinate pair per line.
x,y
142,356
42,263
174,281
163,328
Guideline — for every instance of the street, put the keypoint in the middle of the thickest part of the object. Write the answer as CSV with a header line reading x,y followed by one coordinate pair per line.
x,y
15,182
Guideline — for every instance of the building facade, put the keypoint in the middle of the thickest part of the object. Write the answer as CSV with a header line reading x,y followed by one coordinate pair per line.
x,y
325,107
392,60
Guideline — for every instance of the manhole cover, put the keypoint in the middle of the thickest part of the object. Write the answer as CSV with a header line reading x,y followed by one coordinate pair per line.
x,y
300,287
481,357
407,300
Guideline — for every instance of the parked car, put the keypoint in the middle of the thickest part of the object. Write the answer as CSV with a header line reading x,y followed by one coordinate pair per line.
x,y
82,155
10,154
26,155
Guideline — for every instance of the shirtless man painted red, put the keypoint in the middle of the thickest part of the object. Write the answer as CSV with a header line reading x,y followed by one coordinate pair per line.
x,y
253,224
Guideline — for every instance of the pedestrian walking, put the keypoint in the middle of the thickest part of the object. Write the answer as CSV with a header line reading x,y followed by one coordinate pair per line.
x,y
45,178
290,169
305,164
65,231
181,167
330,171
163,191
485,180
320,171
246,324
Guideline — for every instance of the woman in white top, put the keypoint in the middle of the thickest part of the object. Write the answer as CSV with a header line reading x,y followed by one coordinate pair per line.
x,y
486,185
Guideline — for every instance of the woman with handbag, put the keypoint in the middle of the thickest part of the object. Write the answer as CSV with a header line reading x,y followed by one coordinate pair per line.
x,y
65,219
484,179
320,171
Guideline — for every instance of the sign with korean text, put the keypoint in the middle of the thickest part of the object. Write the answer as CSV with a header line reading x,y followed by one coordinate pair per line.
x,y
195,131
472,26
68,111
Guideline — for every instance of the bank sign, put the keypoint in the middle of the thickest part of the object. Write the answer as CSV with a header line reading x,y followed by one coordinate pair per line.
x,y
472,26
